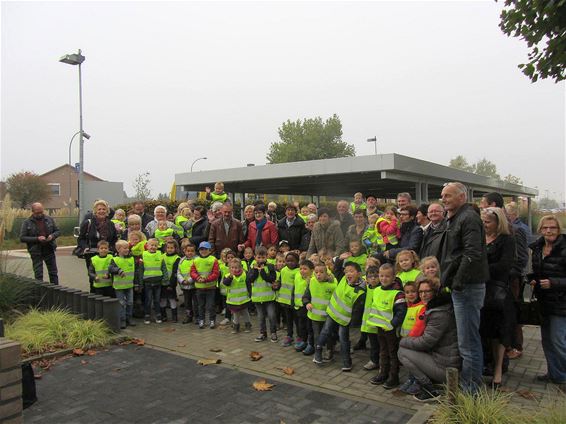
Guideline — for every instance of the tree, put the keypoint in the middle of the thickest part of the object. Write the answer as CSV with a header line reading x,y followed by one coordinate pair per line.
x,y
460,162
141,187
310,139
513,179
547,203
27,187
482,167
486,168
542,24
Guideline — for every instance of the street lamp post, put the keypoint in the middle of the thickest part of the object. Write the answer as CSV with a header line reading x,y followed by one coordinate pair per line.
x,y
195,161
85,135
374,141
78,59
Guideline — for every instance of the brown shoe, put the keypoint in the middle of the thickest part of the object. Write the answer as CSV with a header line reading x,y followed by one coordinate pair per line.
x,y
514,354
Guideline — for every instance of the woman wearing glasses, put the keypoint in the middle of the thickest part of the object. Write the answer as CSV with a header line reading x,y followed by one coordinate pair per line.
x,y
549,282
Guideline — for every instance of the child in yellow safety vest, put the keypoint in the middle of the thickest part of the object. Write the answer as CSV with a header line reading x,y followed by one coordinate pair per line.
x,y
226,257
279,311
316,299
125,270
371,238
361,344
248,258
271,254
137,241
430,268
163,232
387,314
414,310
284,298
237,296
205,272
356,254
218,195
388,229
169,287
154,274
98,270
119,221
185,280
407,266
349,293
358,203
304,342
372,278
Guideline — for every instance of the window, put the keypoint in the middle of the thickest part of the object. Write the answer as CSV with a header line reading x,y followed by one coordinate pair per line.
x,y
54,189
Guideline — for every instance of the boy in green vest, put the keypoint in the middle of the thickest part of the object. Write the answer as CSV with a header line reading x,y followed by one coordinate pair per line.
x,y
98,270
355,253
154,274
372,278
218,195
237,296
305,341
387,313
125,270
349,293
285,295
205,272
162,233
169,287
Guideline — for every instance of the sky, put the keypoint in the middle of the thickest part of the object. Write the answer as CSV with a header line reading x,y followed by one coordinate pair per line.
x,y
165,83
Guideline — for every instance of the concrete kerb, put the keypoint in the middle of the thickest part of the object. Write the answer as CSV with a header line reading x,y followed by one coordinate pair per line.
x,y
296,383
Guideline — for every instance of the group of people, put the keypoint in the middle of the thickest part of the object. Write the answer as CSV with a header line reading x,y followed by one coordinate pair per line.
x,y
431,286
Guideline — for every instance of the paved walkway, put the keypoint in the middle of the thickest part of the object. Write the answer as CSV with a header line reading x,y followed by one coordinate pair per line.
x,y
130,384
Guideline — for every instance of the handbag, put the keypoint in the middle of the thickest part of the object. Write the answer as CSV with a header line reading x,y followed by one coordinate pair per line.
x,y
79,250
497,293
529,312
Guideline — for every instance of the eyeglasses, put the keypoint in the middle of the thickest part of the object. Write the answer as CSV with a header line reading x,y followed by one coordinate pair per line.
x,y
549,228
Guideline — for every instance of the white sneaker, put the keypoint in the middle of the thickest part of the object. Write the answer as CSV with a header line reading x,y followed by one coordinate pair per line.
x,y
225,321
158,321
370,366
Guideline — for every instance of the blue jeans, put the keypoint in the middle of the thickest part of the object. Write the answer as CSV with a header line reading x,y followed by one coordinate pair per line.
x,y
126,299
266,310
152,293
553,334
205,300
328,332
467,306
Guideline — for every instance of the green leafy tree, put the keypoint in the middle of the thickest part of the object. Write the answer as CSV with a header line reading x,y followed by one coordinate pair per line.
x,y
27,187
547,203
542,24
460,162
486,168
513,179
310,139
141,187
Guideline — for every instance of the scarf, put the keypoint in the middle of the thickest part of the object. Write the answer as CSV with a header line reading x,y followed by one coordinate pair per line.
x,y
259,225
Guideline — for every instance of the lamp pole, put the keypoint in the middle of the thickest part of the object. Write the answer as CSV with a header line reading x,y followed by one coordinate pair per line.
x,y
195,161
374,141
78,59
85,135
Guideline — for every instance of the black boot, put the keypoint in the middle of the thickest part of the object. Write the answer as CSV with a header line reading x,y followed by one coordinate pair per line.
x,y
428,392
164,314
235,328
174,316
247,327
317,355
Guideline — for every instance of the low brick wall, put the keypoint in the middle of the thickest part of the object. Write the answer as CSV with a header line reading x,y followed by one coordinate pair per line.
x,y
10,382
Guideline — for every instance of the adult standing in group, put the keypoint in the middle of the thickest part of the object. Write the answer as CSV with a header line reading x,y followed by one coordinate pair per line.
x,y
248,219
133,223
139,209
432,237
92,230
225,232
411,233
160,214
291,228
326,237
403,199
371,205
549,282
463,262
200,226
358,228
306,240
39,232
272,212
343,216
261,232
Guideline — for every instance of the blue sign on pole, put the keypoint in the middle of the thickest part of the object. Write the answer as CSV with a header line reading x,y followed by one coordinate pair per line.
x,y
77,167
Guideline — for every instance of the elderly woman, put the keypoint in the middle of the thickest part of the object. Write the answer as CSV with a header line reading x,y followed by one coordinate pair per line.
x,y
549,282
498,317
133,223
326,237
427,355
160,214
95,229
248,219
262,231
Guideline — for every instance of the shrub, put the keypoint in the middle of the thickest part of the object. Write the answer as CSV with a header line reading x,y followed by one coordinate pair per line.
x,y
14,293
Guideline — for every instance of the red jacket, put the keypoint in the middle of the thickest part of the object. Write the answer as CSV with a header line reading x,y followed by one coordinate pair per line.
x,y
269,235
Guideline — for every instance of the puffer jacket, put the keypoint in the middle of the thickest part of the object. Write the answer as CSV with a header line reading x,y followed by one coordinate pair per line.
x,y
552,267
327,239
464,258
293,234
440,338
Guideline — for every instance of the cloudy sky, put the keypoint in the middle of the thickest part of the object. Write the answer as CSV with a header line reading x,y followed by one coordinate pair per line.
x,y
165,83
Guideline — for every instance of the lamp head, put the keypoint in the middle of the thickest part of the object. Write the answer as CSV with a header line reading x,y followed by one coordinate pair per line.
x,y
85,135
72,59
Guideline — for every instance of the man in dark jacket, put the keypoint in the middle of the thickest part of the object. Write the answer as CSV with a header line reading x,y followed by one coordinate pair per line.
x,y
39,233
464,269
291,228
432,237
139,209
225,232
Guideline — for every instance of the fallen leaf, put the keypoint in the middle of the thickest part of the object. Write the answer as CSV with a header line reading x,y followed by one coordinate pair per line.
x,y
91,352
168,330
83,362
505,389
255,356
181,345
288,370
215,350
397,393
209,361
37,376
78,352
524,393
262,386
116,369
139,342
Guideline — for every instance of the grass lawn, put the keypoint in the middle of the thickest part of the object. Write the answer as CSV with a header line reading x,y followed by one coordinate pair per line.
x,y
15,244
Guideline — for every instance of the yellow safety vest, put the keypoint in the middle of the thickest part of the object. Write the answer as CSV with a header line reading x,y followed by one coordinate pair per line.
x,y
406,276
138,249
360,260
342,302
237,292
161,235
152,264
353,207
299,290
128,266
170,263
381,313
367,311
204,268
411,318
285,293
185,271
100,266
218,197
391,238
321,292
262,290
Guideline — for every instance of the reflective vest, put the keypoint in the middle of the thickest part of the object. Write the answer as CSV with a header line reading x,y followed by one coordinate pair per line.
x,y
122,224
128,266
262,290
304,217
162,234
406,276
342,301
372,237
224,271
184,271
389,238
381,313
183,233
361,206
413,312
367,311
169,263
300,287
271,261
360,260
237,292
204,268
100,266
218,197
138,248
321,292
285,293
152,264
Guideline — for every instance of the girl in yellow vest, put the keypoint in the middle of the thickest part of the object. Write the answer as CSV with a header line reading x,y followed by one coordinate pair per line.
x,y
304,342
407,266
387,314
271,254
238,296
287,277
185,280
125,270
372,278
355,253
316,299
388,229
226,257
98,270
136,241
205,272
361,344
248,258
169,287
154,274
119,221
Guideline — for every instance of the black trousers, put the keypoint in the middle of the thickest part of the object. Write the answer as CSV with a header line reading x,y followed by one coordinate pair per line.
x,y
46,255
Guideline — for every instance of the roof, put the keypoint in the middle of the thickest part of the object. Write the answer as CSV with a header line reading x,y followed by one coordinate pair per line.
x,y
383,175
69,166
